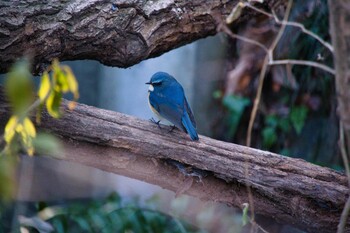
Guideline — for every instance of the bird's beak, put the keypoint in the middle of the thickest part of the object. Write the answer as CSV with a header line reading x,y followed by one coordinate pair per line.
x,y
148,83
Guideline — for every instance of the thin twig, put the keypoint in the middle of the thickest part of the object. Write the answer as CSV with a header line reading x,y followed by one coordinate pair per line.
x,y
247,4
257,100
268,57
345,212
293,24
281,31
308,32
303,63
223,27
259,227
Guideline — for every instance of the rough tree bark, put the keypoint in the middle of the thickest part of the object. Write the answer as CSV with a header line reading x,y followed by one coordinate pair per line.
x,y
339,19
340,32
117,33
293,191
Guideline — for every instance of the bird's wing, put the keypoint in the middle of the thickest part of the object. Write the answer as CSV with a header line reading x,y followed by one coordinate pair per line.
x,y
168,108
190,114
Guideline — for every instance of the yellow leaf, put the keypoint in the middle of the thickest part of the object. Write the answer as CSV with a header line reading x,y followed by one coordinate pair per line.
x,y
59,79
53,103
30,151
62,82
45,86
72,82
29,127
27,141
19,128
10,129
27,131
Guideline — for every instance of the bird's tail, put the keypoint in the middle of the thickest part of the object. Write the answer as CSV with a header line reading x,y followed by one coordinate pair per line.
x,y
187,123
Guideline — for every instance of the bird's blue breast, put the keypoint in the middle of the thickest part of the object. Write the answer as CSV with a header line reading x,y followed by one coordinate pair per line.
x,y
168,103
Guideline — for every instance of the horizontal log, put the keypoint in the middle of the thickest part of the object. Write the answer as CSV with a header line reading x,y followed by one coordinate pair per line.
x,y
291,190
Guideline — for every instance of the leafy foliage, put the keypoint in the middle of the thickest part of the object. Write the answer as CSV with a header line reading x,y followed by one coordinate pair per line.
x,y
20,132
293,97
19,89
52,88
110,215
24,128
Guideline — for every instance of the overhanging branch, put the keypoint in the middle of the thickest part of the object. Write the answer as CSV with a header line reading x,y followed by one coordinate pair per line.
x,y
291,190
117,33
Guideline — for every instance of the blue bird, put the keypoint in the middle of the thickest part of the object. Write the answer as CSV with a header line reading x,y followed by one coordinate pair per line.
x,y
167,100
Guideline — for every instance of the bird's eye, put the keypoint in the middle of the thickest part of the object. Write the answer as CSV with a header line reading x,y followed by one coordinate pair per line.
x,y
156,83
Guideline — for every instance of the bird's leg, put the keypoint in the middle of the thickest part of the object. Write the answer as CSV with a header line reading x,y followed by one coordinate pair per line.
x,y
155,122
172,128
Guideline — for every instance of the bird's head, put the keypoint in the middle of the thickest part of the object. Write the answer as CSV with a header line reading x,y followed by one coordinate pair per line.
x,y
160,80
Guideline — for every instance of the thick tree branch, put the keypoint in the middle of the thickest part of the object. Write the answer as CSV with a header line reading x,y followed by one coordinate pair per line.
x,y
117,33
291,190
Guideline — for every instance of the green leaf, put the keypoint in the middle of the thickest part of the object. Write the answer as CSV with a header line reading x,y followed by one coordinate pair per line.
x,y
61,81
298,116
269,137
53,103
245,217
65,81
47,144
19,87
217,94
236,106
271,120
284,124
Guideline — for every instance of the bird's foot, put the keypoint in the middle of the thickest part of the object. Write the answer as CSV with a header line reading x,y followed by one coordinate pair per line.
x,y
172,128
155,122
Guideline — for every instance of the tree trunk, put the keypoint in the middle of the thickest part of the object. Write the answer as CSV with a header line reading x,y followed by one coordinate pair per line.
x,y
293,191
116,33
340,33
339,20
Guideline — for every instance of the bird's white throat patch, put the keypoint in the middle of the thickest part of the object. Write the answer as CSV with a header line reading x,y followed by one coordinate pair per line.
x,y
151,88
